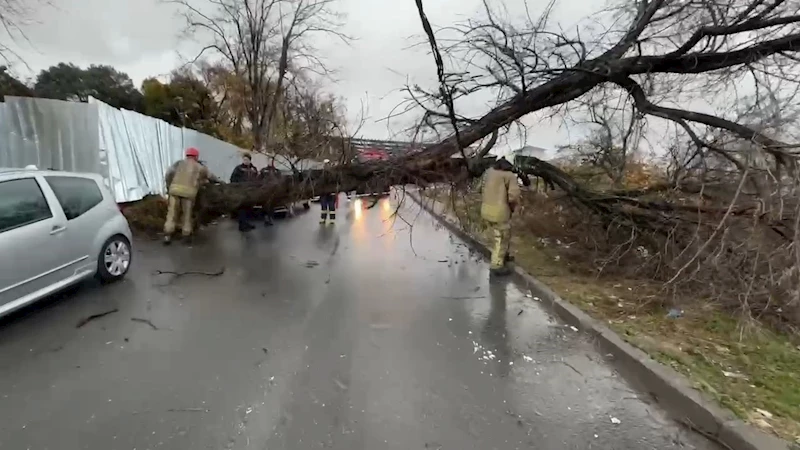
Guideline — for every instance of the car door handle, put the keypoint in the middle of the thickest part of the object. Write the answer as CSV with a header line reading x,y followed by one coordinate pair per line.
x,y
57,229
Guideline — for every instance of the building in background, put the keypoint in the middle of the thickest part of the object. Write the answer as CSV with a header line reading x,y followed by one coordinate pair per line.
x,y
377,150
525,156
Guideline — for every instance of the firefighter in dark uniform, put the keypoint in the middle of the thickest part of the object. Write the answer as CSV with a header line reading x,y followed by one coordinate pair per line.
x,y
328,202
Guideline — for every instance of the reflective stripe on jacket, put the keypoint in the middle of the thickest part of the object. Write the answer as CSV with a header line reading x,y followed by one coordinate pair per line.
x,y
185,177
500,189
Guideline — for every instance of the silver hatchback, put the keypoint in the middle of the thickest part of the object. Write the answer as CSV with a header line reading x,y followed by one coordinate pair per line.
x,y
56,229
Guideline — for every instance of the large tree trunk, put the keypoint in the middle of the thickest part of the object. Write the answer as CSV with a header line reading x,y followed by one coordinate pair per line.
x,y
218,199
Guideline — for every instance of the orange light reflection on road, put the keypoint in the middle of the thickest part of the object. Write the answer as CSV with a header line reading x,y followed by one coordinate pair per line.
x,y
358,209
359,227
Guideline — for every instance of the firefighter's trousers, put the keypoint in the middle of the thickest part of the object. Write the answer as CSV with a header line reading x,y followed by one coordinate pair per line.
x,y
501,232
182,206
328,205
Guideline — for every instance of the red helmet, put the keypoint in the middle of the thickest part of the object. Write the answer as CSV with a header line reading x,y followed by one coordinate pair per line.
x,y
191,151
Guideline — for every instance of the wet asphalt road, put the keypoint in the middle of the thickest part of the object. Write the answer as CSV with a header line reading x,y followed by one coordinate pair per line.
x,y
363,335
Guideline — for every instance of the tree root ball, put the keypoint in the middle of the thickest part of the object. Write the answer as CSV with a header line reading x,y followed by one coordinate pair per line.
x,y
146,216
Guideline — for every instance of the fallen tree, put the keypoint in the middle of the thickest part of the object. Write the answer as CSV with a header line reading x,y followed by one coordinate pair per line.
x,y
727,216
218,199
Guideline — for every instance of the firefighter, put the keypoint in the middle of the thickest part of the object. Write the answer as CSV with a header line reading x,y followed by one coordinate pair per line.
x,y
501,196
243,173
328,203
183,180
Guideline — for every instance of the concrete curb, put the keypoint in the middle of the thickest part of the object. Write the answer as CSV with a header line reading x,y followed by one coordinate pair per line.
x,y
670,389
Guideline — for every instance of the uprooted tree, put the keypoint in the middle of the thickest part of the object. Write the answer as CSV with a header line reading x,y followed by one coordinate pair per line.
x,y
728,209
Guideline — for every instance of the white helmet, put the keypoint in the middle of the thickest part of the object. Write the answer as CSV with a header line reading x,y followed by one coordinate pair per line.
x,y
326,161
31,167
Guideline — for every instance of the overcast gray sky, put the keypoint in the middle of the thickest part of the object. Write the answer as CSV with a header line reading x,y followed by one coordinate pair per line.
x,y
141,37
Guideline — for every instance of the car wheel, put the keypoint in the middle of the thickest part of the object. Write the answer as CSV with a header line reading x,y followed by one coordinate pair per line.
x,y
114,259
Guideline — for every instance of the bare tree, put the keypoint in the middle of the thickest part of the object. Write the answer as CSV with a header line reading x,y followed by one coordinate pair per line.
x,y
15,15
311,124
615,133
264,42
534,68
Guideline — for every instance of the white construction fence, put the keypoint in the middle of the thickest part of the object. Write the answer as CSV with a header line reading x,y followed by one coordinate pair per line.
x,y
130,150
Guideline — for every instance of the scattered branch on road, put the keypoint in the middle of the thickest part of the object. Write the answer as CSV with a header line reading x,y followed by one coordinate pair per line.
x,y
145,321
204,410
178,274
708,435
88,319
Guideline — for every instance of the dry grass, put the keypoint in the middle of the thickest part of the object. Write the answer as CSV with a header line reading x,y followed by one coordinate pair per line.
x,y
746,366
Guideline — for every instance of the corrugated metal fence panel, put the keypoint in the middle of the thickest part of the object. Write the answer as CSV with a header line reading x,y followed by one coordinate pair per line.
x,y
142,148
126,181
220,157
130,150
50,134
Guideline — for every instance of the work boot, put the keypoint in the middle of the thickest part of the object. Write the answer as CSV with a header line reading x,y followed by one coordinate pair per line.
x,y
268,221
188,240
243,227
509,258
500,271
167,239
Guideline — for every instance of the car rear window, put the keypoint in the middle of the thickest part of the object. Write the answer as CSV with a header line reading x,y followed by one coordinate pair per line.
x,y
75,194
21,203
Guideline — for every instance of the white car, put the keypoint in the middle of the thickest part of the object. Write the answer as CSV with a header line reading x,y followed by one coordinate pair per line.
x,y
56,229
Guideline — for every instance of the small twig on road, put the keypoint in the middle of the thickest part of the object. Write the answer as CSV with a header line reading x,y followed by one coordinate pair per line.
x,y
568,365
190,272
708,435
177,274
147,321
86,320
